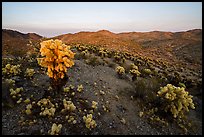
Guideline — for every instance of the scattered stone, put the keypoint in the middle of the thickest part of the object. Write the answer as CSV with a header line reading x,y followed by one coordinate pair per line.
x,y
123,121
102,92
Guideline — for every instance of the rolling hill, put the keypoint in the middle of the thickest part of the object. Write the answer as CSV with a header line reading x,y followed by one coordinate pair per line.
x,y
178,47
16,43
117,90
174,47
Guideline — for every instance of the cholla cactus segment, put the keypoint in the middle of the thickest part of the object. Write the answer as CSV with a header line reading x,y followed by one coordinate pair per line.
x,y
27,101
147,71
66,89
28,109
94,104
29,72
11,69
90,123
102,53
71,87
47,107
57,57
48,111
70,119
15,92
120,70
55,130
178,100
68,105
45,102
135,72
133,66
10,81
80,88
19,101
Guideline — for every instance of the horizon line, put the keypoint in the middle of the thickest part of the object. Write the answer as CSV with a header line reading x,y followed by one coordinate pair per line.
x,y
102,30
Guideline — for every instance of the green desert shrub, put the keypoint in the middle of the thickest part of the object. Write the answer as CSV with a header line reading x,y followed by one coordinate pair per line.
x,y
84,54
93,60
78,56
145,87
112,64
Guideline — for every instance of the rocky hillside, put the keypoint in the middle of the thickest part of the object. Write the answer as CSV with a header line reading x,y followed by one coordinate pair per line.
x,y
173,47
178,47
9,34
103,38
16,43
105,92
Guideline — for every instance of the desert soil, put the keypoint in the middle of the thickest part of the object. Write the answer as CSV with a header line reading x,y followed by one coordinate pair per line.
x,y
101,84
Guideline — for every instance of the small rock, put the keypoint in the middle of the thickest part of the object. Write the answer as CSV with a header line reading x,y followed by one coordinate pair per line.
x,y
141,114
102,92
116,96
123,121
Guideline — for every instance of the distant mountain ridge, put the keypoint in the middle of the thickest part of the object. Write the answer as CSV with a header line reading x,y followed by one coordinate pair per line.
x,y
137,36
16,43
175,47
184,46
130,35
16,34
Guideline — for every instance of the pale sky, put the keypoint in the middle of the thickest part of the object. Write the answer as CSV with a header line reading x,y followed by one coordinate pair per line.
x,y
55,18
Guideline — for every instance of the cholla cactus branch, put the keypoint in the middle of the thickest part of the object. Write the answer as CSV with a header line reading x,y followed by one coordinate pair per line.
x,y
57,57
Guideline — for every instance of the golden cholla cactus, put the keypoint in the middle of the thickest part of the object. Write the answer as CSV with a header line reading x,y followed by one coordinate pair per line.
x,y
120,70
68,105
90,123
55,130
11,69
29,72
57,57
135,72
178,100
94,104
147,71
47,107
133,66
